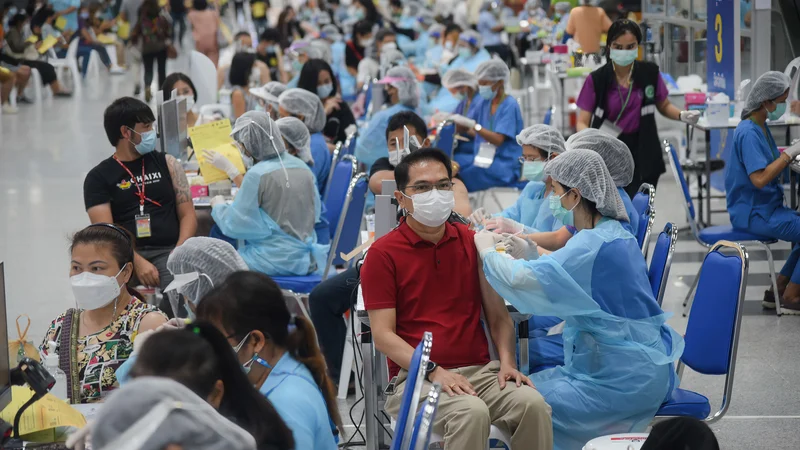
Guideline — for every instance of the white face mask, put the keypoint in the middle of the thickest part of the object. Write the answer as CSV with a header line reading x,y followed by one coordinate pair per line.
x,y
93,291
395,156
433,208
189,101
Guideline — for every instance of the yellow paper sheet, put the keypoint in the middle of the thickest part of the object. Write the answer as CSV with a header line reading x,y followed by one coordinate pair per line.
x,y
47,44
46,414
210,135
106,39
61,23
259,9
5,71
123,29
162,3
32,39
210,173
226,32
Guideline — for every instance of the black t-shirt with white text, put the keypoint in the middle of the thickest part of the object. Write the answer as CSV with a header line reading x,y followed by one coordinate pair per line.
x,y
108,182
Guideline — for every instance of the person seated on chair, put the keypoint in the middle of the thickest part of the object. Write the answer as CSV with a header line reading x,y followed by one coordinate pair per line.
x,y
383,169
269,52
615,331
186,90
463,87
318,77
307,107
88,39
279,354
401,93
753,182
369,66
200,358
240,75
268,97
277,205
357,46
101,332
498,122
299,54
531,212
425,258
143,190
7,81
20,52
491,27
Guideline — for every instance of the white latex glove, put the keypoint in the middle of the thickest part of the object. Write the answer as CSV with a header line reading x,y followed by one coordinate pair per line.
x,y
690,117
486,241
441,116
222,163
81,439
463,121
173,324
503,225
478,218
793,150
217,200
520,248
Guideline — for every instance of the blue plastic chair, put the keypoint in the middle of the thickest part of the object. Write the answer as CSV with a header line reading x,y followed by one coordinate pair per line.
x,y
445,138
708,236
423,425
712,333
336,191
661,261
349,146
643,203
548,117
403,430
367,101
645,198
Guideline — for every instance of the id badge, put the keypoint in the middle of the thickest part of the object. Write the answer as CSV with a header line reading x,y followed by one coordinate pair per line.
x,y
143,226
611,129
485,156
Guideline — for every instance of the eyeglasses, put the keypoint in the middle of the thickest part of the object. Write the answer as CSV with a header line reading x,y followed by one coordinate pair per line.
x,y
423,188
524,159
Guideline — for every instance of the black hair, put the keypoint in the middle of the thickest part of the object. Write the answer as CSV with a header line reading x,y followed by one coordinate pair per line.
x,y
197,357
452,27
117,239
16,20
372,12
402,170
125,112
241,66
169,84
249,301
396,3
683,433
382,33
362,27
270,34
199,5
240,34
41,15
150,9
620,27
587,204
409,118
309,75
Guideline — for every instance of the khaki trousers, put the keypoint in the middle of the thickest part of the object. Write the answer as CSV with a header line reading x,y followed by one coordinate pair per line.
x,y
463,420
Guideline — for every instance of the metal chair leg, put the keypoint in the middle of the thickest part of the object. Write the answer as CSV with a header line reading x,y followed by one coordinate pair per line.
x,y
774,277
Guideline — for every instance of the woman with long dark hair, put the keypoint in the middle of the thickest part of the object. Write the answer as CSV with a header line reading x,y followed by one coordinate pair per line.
x,y
242,100
200,358
289,27
279,353
152,32
317,77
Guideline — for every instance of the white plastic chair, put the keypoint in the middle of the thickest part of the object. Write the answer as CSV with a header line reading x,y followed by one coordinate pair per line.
x,y
69,62
349,357
35,85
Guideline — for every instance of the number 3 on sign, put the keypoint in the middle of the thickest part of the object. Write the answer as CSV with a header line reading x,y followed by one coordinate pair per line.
x,y
718,46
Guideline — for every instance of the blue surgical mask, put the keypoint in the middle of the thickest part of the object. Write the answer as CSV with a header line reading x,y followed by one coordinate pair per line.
x,y
486,92
148,143
464,52
85,15
324,90
533,170
297,66
459,96
624,57
780,110
561,213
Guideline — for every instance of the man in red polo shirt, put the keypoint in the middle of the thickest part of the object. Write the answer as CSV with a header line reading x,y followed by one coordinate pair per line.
x,y
426,276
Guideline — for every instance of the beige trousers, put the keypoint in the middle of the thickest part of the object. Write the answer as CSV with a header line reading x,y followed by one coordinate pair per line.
x,y
463,420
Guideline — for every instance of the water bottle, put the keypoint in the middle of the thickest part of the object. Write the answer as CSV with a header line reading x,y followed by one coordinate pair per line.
x,y
51,364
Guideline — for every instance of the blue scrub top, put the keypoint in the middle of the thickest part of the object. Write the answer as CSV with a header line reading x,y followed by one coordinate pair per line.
x,y
487,21
465,150
505,170
72,18
295,395
322,160
752,151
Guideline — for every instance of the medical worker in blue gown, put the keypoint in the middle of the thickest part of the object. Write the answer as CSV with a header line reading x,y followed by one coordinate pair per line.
x,y
463,86
753,183
471,54
277,206
401,94
307,107
495,129
618,362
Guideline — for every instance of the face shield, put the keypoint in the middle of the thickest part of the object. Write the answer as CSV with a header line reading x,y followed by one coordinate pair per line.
x,y
176,292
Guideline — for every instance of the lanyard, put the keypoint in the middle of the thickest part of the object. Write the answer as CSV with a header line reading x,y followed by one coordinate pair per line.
x,y
491,116
625,103
139,189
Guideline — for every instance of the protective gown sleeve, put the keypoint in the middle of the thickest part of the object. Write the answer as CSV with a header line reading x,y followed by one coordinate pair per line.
x,y
244,218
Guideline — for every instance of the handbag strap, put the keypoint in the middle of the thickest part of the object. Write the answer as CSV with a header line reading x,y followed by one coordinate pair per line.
x,y
68,357
23,334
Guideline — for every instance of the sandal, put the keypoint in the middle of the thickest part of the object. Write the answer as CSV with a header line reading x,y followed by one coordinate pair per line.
x,y
769,300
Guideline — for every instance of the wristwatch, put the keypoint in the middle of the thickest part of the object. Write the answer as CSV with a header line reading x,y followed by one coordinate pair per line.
x,y
477,127
429,369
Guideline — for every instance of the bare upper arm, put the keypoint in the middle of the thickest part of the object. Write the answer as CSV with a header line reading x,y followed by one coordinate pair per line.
x,y
376,180
263,71
461,194
238,103
151,321
180,183
383,320
494,307
100,213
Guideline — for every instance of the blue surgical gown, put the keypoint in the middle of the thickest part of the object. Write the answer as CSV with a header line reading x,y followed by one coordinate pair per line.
x,y
371,144
532,209
505,169
322,160
267,248
297,398
618,351
633,225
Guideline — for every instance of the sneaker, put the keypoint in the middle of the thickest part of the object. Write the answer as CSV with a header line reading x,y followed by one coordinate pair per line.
x,y
791,309
117,70
147,95
23,99
8,109
137,90
769,300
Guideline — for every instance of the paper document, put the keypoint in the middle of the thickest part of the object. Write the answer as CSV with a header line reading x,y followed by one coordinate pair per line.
x,y
61,23
47,413
47,44
32,39
106,39
215,136
210,173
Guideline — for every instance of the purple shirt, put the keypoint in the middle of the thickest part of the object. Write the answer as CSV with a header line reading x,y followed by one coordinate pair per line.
x,y
615,96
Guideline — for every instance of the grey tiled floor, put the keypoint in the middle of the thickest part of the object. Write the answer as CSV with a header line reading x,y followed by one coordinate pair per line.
x,y
47,149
